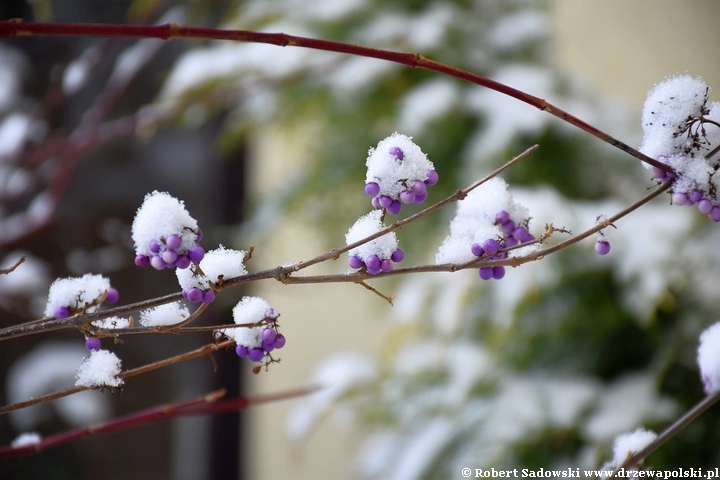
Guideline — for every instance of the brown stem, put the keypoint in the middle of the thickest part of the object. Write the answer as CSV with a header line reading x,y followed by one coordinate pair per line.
x,y
16,28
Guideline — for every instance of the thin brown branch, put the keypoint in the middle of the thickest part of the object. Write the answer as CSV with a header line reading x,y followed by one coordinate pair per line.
x,y
5,271
16,28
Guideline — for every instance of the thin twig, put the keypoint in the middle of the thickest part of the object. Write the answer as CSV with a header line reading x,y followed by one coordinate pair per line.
x,y
5,271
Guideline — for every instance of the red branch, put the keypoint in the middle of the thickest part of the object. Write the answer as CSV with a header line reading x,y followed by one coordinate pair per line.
x,y
16,28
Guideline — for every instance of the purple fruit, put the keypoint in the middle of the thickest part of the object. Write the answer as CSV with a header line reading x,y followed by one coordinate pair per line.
x,y
704,206
498,272
61,312
279,342
385,201
112,295
268,335
486,273
92,343
142,260
267,347
169,257
157,263
520,233
419,188
679,198
355,262
196,253
477,250
407,196
207,296
491,246
154,246
375,202
419,198
397,256
432,178
194,295
394,208
372,262
242,351
397,153
372,189
271,313
173,242
714,214
256,354
695,196
501,217
374,271
183,261
386,265
508,227
602,247
511,241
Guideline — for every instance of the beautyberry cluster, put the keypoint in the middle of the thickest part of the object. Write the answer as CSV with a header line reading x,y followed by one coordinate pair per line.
x,y
398,172
69,296
198,280
378,255
513,234
262,334
165,234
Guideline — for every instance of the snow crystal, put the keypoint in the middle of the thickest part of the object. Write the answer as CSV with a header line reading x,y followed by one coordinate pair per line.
x,y
365,226
159,216
248,311
631,443
168,314
392,175
76,293
26,439
222,261
112,322
667,108
474,220
100,369
708,358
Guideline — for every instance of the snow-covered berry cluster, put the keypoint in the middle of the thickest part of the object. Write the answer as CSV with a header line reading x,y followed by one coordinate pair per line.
x,y
165,234
512,233
375,256
487,222
398,172
262,335
197,281
682,130
68,296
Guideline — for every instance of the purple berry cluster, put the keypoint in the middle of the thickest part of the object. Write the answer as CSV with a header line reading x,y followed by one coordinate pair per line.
x,y
374,264
64,311
197,295
269,339
490,248
168,252
703,202
415,192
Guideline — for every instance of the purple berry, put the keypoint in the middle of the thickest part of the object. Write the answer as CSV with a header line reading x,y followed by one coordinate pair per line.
x,y
267,347
208,296
386,265
432,178
173,242
486,273
268,335
477,250
374,271
372,262
498,272
520,233
714,214
372,189
602,247
511,241
704,206
420,197
112,295
157,263
491,246
183,261
256,354
242,351
679,198
508,227
169,257
92,343
196,253
407,196
375,202
279,342
385,201
271,313
695,196
154,246
394,208
397,256
141,260
354,261
397,153
501,217
194,295
419,188
61,312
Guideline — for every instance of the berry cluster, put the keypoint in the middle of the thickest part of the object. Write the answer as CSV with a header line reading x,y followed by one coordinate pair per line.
x,y
703,202
165,234
490,248
168,252
398,172
69,296
198,280
197,295
378,255
262,334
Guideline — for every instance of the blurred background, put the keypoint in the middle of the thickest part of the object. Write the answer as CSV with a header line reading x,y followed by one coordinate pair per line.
x,y
267,146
